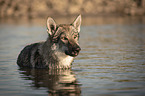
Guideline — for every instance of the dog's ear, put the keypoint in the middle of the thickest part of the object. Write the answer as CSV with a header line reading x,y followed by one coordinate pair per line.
x,y
77,23
51,26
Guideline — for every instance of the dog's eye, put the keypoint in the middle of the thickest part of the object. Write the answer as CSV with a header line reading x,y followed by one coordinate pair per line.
x,y
75,37
64,38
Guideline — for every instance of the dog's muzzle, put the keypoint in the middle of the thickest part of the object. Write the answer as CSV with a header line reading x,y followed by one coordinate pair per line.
x,y
73,52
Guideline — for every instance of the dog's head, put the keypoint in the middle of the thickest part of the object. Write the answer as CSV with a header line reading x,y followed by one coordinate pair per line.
x,y
65,35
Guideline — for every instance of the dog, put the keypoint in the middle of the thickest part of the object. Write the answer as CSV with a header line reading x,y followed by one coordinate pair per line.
x,y
58,51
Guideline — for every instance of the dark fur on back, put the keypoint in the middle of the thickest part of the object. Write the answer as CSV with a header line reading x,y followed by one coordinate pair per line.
x,y
31,57
26,54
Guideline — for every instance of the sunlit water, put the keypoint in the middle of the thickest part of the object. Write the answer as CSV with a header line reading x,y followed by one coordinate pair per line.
x,y
111,62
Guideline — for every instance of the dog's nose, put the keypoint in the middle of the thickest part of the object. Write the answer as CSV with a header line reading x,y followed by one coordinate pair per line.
x,y
75,51
78,49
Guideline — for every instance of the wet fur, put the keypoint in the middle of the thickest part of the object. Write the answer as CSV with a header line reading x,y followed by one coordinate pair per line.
x,y
37,55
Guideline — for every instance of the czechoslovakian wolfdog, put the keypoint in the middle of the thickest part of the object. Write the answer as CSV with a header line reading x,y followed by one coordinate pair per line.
x,y
58,51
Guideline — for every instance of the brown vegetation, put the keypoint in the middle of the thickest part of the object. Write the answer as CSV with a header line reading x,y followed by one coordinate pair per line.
x,y
43,8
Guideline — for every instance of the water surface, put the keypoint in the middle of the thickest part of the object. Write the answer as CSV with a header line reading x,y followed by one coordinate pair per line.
x,y
111,62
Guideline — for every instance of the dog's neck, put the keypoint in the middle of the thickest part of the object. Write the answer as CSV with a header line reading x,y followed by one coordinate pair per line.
x,y
54,57
63,59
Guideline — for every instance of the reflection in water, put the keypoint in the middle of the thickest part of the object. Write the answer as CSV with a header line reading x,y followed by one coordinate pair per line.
x,y
58,82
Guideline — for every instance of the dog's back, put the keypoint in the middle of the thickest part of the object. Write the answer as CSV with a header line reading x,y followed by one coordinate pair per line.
x,y
30,57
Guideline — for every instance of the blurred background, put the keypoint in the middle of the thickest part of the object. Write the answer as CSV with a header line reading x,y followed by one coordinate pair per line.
x,y
93,11
44,8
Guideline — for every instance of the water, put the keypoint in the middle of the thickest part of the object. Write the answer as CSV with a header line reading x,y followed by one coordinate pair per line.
x,y
111,62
